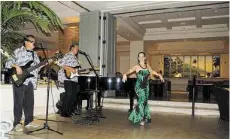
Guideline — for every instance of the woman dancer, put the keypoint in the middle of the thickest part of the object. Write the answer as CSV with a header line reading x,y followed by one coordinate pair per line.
x,y
141,112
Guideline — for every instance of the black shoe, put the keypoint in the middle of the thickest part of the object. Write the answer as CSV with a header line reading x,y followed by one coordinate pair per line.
x,y
77,112
88,108
148,120
65,115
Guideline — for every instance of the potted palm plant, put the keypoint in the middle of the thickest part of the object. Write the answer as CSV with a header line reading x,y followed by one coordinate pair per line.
x,y
16,14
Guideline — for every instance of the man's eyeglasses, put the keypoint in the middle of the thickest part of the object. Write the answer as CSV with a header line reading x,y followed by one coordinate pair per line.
x,y
31,41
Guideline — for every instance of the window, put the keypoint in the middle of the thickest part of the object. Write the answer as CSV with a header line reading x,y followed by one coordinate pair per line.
x,y
216,66
186,66
201,66
166,66
194,64
208,65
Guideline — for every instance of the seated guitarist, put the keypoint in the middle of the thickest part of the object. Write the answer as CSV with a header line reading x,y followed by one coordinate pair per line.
x,y
68,62
24,94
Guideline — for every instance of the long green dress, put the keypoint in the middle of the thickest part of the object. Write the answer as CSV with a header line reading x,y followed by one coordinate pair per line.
x,y
141,111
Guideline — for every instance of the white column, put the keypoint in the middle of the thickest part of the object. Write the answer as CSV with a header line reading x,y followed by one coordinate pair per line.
x,y
102,45
135,48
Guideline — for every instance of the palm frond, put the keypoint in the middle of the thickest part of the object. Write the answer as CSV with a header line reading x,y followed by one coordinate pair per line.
x,y
39,7
11,40
16,14
14,18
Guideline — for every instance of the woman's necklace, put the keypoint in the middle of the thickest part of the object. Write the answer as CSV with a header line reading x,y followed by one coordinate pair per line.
x,y
142,67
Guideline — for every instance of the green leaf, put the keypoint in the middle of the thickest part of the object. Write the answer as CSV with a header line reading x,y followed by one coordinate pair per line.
x,y
16,14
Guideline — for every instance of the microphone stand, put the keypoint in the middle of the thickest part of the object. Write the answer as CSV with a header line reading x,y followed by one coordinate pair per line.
x,y
96,85
193,95
46,126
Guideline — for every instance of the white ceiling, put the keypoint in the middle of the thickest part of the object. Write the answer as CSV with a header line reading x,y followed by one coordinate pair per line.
x,y
156,20
64,8
174,20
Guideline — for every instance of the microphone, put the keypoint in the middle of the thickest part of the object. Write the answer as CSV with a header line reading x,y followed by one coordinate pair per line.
x,y
81,52
39,48
38,44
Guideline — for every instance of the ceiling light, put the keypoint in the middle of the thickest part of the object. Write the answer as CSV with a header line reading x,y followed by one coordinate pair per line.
x,y
216,11
128,35
182,23
73,27
215,17
69,3
179,14
150,22
147,16
116,28
182,19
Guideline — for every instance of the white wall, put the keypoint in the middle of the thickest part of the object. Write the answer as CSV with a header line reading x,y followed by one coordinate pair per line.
x,y
40,97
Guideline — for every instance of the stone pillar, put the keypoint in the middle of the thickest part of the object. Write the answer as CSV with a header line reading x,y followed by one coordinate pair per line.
x,y
70,35
135,48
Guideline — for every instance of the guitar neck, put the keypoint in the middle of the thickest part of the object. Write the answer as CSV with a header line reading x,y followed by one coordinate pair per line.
x,y
37,66
55,57
82,70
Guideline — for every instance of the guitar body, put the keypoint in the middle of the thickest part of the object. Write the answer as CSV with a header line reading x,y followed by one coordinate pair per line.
x,y
69,74
19,79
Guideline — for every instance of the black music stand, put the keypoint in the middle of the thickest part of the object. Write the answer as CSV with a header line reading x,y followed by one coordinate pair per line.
x,y
46,126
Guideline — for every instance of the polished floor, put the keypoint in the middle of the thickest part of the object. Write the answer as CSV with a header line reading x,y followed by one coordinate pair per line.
x,y
116,126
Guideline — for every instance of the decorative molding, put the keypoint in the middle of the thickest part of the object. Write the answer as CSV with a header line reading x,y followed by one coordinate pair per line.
x,y
127,25
172,35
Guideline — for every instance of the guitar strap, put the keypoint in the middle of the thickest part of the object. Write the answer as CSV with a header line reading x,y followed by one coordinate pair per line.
x,y
33,55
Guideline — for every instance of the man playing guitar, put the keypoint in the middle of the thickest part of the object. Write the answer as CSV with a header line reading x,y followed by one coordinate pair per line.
x,y
24,94
67,63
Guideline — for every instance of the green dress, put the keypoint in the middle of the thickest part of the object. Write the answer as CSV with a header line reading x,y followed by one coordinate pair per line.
x,y
141,111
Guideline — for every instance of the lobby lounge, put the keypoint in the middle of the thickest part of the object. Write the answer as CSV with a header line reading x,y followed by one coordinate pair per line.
x,y
187,43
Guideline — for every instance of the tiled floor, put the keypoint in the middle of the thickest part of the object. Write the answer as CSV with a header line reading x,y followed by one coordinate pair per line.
x,y
179,96
116,126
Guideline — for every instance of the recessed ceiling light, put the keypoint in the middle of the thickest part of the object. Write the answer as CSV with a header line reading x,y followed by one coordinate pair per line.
x,y
147,16
182,23
69,3
128,35
179,14
216,11
73,27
